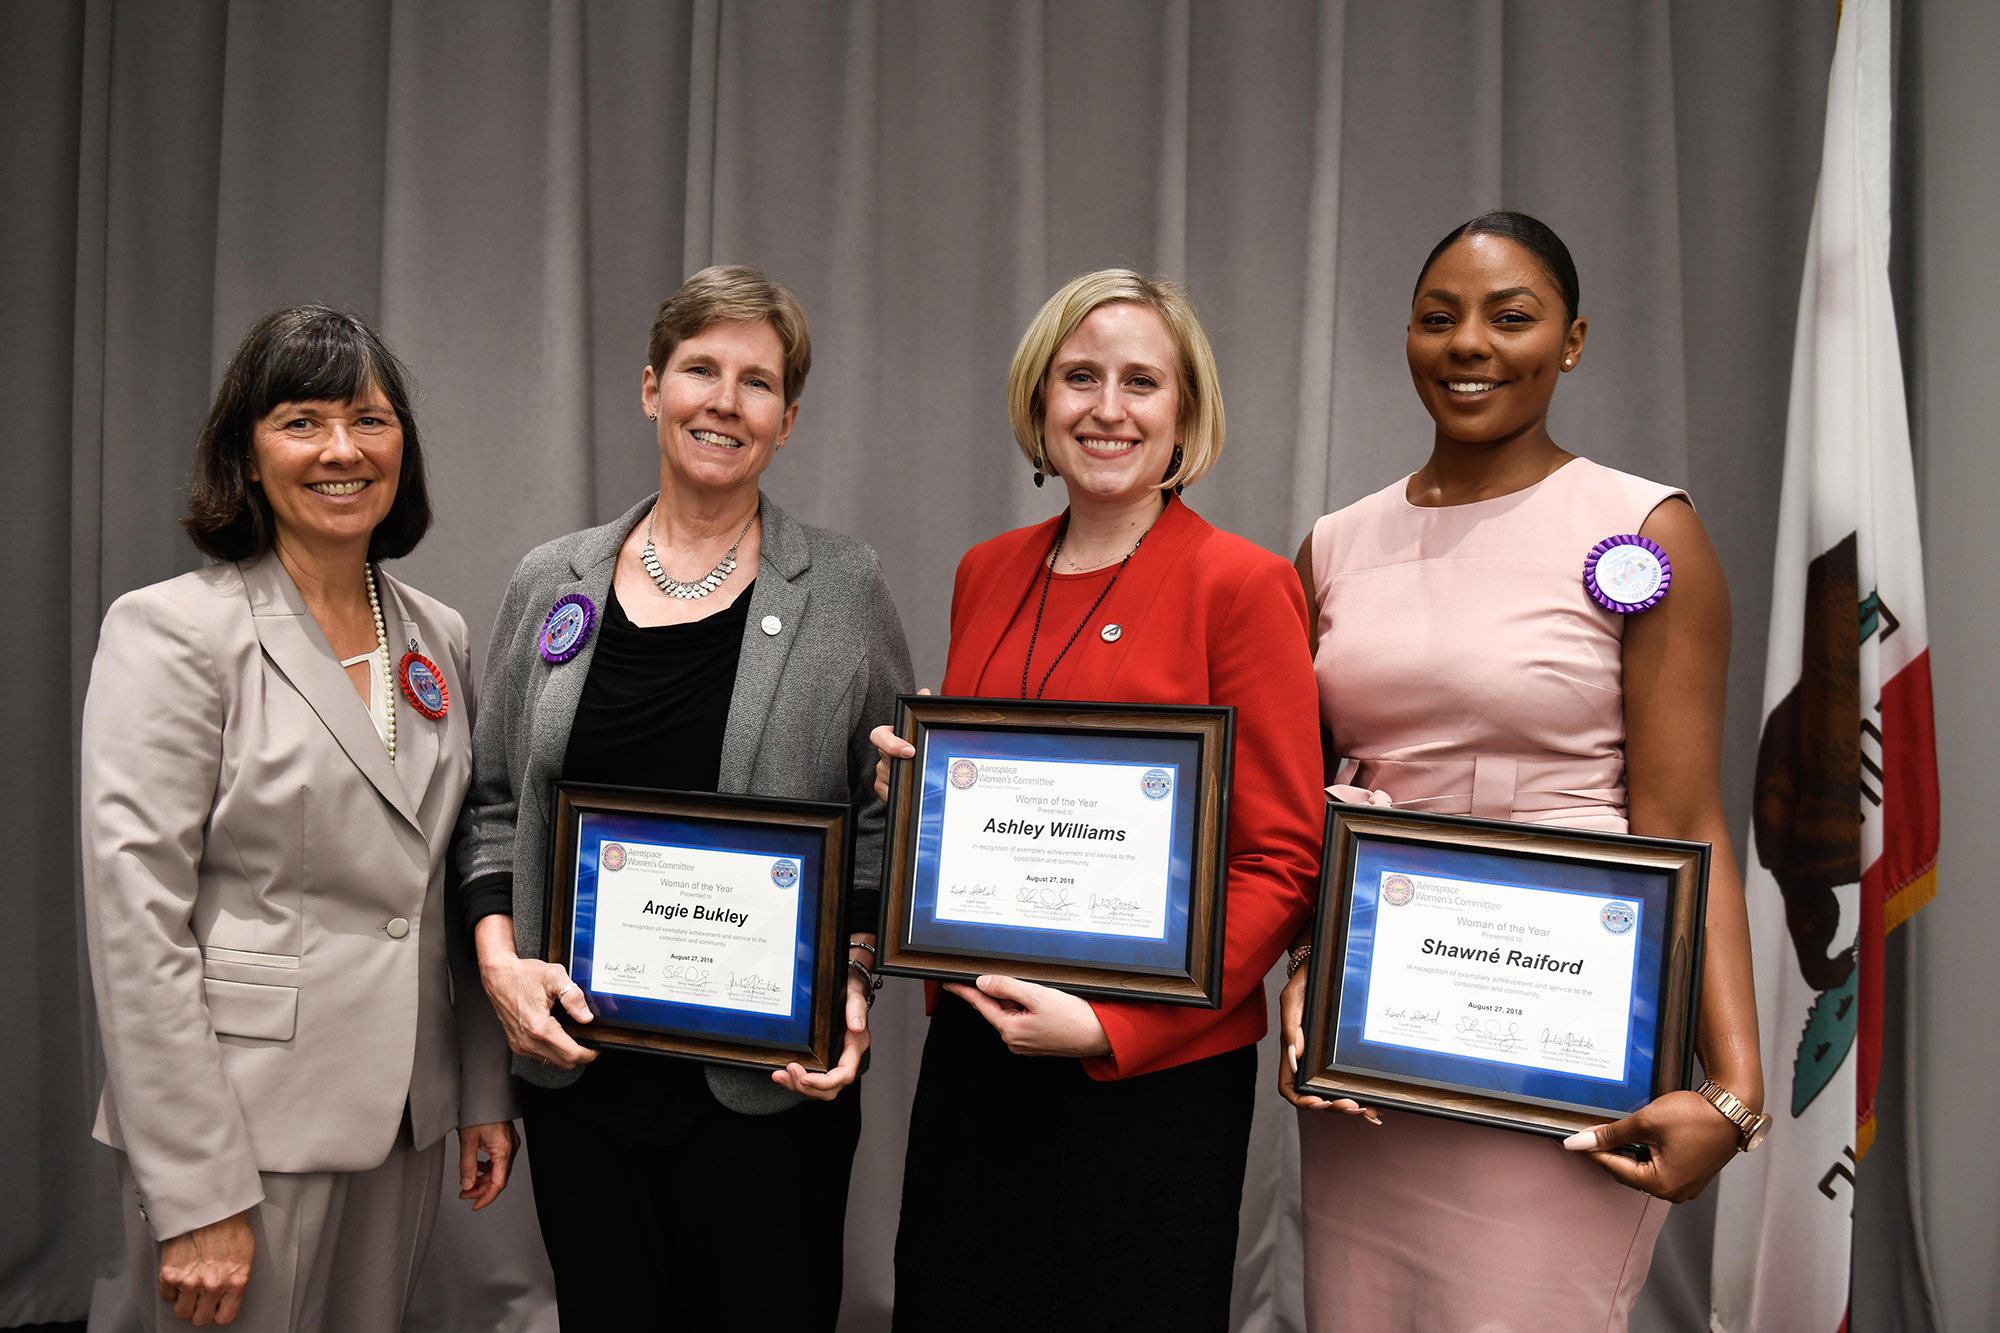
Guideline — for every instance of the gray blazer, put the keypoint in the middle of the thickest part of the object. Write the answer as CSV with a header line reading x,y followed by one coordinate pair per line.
x,y
806,698
265,895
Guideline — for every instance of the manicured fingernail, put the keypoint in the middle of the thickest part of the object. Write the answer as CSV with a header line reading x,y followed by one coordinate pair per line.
x,y
1584,1140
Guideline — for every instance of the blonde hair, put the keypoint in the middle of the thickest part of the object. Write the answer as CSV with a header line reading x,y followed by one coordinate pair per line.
x,y
725,293
1200,417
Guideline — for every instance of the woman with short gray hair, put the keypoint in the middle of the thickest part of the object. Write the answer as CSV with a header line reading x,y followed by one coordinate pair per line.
x,y
722,631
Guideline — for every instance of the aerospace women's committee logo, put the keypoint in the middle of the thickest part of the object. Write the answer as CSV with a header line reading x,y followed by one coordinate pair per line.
x,y
784,874
963,773
612,857
1618,917
1397,890
1156,783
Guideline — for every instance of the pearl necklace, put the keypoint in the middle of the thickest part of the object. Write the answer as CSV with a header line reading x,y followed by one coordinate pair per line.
x,y
382,650
702,586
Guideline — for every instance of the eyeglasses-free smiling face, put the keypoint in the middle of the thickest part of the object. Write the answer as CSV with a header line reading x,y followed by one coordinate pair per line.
x,y
1111,403
1488,335
721,404
329,469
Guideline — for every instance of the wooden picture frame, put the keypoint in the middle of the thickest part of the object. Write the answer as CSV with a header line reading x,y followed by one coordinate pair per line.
x,y
1668,884
819,836
1187,748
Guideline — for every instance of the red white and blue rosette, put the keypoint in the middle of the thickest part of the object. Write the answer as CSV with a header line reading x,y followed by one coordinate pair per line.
x,y
1627,574
568,626
423,685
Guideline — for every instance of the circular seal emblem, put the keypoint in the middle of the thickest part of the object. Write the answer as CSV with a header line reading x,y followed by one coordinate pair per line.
x,y
784,874
611,856
1618,917
569,624
1627,574
963,773
1156,783
423,685
1397,890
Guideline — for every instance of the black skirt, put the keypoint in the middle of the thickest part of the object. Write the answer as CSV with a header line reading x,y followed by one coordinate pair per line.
x,y
1038,1198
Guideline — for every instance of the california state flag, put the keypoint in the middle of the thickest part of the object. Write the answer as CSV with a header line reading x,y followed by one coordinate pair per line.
x,y
1844,827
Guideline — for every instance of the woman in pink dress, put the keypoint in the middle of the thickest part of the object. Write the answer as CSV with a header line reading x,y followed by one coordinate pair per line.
x,y
1464,669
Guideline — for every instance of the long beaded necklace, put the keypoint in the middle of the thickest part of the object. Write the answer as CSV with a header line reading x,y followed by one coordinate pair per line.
x,y
388,683
702,586
1047,576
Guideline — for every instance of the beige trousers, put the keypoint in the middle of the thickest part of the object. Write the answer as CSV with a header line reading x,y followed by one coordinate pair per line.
x,y
337,1252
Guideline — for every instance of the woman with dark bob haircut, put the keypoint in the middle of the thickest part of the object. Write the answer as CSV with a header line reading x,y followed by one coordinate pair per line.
x,y
275,748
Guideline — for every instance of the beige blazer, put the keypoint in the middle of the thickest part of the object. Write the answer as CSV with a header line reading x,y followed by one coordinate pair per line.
x,y
265,895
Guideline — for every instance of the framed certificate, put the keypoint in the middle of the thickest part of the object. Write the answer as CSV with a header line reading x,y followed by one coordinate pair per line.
x,y
702,926
1079,845
1535,978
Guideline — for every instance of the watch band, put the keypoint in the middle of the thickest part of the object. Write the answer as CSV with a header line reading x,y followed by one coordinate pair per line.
x,y
1750,1126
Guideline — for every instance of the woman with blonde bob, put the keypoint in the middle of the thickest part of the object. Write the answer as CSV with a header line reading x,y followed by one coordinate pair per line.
x,y
1079,1163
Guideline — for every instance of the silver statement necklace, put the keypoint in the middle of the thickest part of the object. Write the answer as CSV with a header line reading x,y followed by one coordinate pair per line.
x,y
702,586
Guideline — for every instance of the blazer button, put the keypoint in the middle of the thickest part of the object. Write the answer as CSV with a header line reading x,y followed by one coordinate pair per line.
x,y
397,928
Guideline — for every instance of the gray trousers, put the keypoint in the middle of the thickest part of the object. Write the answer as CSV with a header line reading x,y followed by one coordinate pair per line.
x,y
337,1252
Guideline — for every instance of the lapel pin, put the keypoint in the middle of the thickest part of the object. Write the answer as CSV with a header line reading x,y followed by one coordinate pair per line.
x,y
1111,633
423,685
568,625
772,625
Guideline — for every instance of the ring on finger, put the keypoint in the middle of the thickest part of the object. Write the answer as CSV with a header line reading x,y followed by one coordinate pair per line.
x,y
564,991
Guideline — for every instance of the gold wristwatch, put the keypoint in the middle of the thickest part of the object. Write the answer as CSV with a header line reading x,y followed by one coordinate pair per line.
x,y
1749,1124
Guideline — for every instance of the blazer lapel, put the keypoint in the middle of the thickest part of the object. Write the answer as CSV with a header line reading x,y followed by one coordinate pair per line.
x,y
562,684
1140,588
292,639
760,667
1010,587
417,737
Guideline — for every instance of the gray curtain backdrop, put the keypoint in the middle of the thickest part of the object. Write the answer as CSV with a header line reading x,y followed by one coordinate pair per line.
x,y
507,189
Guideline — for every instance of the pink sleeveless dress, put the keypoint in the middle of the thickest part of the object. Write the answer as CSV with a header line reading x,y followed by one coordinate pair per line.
x,y
1463,669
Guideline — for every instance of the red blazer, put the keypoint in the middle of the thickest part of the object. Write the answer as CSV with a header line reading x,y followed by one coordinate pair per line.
x,y
1208,618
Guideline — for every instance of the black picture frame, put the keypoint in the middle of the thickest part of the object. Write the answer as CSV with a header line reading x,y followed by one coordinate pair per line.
x,y
1548,855
823,830
1208,732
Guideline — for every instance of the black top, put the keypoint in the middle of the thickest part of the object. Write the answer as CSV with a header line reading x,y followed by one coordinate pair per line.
x,y
652,714
656,701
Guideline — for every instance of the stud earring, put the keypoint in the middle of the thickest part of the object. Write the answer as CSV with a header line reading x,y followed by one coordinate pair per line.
x,y
652,416
1567,364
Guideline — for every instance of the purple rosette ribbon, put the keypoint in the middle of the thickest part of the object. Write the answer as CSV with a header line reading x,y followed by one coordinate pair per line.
x,y
1627,574
567,628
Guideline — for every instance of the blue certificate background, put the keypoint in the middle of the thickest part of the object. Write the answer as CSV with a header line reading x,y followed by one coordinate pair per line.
x,y
1182,754
1650,888
802,844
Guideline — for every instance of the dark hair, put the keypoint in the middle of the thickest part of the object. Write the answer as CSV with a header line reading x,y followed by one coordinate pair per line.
x,y
298,354
1531,234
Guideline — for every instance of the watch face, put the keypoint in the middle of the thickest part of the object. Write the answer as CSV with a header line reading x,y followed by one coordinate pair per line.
x,y
1757,1135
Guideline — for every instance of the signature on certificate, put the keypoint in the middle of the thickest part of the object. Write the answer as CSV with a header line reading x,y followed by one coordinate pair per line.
x,y
750,984
1567,1045
1043,895
620,971
1488,1034
686,974
973,891
1413,1015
